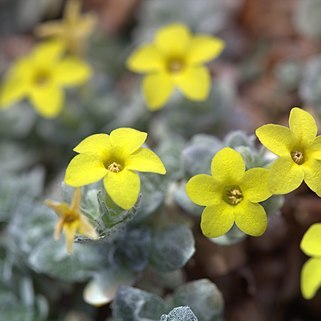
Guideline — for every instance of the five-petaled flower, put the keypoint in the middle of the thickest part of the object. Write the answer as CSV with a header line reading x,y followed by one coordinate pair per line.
x,y
73,30
230,195
311,271
71,220
41,76
115,158
299,152
175,60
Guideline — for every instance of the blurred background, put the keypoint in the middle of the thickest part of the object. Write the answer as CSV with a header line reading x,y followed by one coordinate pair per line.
x,y
271,63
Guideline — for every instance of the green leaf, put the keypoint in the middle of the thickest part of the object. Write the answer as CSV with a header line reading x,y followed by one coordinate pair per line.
x,y
171,248
185,202
197,156
203,297
132,304
153,193
51,258
132,248
179,314
102,288
16,192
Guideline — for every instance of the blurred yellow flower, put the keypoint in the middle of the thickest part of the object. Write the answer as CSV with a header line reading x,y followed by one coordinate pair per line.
x,y
40,77
115,158
299,152
71,220
175,60
73,30
311,271
230,195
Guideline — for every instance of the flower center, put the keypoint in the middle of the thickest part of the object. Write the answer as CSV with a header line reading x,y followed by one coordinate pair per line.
x,y
232,195
175,65
41,77
297,157
114,167
69,218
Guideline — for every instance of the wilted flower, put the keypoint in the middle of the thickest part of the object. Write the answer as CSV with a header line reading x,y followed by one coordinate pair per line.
x,y
299,152
115,158
40,77
73,30
230,195
71,220
311,271
175,60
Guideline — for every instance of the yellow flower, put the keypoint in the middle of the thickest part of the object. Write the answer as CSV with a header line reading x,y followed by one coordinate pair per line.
x,y
40,77
311,271
71,220
299,152
230,195
175,60
115,158
73,30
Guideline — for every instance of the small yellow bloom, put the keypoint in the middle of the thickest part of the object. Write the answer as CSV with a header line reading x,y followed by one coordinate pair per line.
x,y
73,30
115,158
71,220
299,152
230,195
311,271
41,76
175,60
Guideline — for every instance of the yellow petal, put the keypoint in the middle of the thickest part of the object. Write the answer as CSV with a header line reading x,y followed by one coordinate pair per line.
x,y
285,176
98,144
76,199
157,89
311,241
128,140
145,160
203,190
228,166
278,139
145,59
255,185
72,72
250,218
85,228
21,69
194,82
217,220
312,175
173,40
61,209
204,48
48,100
12,91
84,169
311,278
72,10
69,232
303,125
50,28
58,228
86,25
123,188
315,149
48,51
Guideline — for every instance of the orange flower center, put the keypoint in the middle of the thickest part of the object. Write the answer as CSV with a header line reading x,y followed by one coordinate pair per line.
x,y
41,77
233,195
297,157
175,65
114,167
69,218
